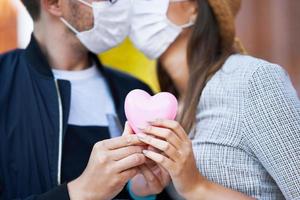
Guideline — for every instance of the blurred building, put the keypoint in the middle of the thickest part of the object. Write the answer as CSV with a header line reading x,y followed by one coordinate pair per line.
x,y
270,29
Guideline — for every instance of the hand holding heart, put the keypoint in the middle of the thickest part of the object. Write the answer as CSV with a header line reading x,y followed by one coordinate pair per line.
x,y
152,178
152,118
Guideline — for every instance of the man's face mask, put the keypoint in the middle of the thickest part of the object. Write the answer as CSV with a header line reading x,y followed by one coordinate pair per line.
x,y
111,25
151,30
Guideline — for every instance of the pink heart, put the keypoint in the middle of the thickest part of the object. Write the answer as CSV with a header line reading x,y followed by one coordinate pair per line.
x,y
141,108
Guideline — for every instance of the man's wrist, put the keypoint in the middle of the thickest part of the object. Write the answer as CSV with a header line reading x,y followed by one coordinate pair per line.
x,y
77,190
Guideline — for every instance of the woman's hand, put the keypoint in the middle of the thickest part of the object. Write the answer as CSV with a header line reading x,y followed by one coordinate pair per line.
x,y
152,178
178,158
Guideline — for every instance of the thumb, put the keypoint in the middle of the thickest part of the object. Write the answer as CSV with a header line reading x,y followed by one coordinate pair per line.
x,y
127,130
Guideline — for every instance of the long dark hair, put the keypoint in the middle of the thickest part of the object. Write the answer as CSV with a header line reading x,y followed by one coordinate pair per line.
x,y
205,55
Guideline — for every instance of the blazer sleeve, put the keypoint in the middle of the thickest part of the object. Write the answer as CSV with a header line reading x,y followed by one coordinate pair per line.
x,y
272,126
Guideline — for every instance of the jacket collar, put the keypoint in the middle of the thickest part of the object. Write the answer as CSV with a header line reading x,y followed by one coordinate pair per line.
x,y
39,62
37,59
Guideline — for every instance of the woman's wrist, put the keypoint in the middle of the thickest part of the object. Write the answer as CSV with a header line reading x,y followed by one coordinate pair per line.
x,y
199,189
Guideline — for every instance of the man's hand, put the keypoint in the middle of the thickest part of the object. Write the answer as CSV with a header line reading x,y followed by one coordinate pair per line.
x,y
151,180
112,164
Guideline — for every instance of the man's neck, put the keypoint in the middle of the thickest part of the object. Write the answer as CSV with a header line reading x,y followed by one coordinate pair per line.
x,y
62,50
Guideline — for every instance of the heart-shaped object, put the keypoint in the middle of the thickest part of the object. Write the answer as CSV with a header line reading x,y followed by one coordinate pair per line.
x,y
141,108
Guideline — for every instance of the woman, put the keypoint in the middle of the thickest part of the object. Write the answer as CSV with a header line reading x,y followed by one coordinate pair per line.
x,y
242,114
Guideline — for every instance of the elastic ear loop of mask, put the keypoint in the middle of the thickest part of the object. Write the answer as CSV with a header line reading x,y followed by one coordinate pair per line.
x,y
88,4
190,23
178,1
69,26
111,1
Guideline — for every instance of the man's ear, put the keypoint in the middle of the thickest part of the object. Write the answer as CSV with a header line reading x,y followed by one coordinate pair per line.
x,y
54,7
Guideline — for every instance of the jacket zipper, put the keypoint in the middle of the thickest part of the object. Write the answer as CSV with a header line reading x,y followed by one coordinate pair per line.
x,y
60,133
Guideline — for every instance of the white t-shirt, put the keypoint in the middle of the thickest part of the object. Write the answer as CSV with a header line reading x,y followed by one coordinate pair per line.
x,y
91,99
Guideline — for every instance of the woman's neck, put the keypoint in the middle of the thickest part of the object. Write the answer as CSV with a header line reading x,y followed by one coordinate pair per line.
x,y
174,62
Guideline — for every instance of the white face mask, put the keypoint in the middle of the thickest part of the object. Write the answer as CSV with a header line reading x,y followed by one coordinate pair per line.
x,y
111,25
151,30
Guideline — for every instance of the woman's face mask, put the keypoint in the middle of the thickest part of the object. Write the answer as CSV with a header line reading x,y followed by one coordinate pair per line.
x,y
152,31
111,25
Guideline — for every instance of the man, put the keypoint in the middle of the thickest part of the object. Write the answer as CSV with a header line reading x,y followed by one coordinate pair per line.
x,y
56,103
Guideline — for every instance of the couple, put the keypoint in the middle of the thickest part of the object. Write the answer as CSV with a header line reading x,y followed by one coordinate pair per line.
x,y
61,111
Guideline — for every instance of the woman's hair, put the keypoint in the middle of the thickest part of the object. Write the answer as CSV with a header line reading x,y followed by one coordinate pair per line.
x,y
205,56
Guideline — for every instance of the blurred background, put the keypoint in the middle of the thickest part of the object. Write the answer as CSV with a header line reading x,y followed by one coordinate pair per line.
x,y
269,29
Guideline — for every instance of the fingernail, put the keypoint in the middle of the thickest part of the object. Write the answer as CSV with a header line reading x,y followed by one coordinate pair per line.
x,y
156,121
145,152
142,136
151,122
129,140
141,129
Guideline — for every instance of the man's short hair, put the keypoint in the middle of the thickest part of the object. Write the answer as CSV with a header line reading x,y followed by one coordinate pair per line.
x,y
33,7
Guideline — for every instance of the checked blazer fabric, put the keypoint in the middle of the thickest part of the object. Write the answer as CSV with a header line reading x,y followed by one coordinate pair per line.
x,y
247,132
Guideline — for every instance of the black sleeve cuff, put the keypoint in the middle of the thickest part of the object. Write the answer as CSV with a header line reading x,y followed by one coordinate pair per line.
x,y
58,193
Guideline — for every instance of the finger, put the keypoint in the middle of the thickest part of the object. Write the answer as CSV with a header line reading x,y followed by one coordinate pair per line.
x,y
166,163
127,130
165,176
153,166
129,174
150,163
124,152
131,161
119,142
171,124
162,145
164,133
151,178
